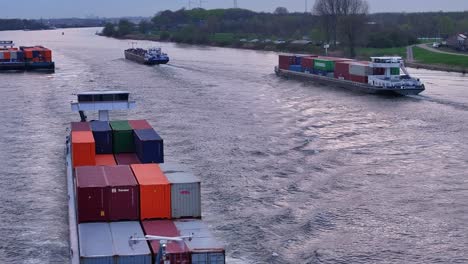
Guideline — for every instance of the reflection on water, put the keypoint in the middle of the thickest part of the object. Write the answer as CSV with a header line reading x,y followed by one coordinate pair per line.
x,y
291,172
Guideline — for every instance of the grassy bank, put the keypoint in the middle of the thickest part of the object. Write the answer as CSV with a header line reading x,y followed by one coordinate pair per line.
x,y
229,40
427,57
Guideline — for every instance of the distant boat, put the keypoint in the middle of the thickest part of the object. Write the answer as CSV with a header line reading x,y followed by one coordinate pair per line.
x,y
63,33
151,56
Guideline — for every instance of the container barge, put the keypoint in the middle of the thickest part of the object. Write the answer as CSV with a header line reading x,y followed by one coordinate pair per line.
x,y
382,75
152,56
35,58
127,203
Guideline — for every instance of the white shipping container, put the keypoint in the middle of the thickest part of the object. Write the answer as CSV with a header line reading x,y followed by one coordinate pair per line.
x,y
185,195
13,55
173,167
359,69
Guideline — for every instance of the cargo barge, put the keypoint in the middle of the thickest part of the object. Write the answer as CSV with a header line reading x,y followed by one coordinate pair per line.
x,y
127,203
152,56
382,75
36,58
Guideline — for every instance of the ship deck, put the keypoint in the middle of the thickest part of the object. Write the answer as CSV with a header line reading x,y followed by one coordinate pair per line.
x,y
349,85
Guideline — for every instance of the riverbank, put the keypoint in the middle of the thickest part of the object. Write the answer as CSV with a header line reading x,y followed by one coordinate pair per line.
x,y
424,58
362,53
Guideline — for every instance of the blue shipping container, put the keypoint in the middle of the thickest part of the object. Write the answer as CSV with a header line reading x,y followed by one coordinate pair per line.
x,y
320,72
129,252
149,146
35,53
95,243
296,68
19,56
298,60
102,133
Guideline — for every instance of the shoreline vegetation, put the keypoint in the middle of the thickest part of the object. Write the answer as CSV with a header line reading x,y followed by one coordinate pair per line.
x,y
423,59
348,31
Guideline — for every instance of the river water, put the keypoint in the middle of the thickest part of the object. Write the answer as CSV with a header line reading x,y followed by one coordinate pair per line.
x,y
291,172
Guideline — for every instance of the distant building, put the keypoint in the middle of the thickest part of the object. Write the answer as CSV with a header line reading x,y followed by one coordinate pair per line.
x,y
458,42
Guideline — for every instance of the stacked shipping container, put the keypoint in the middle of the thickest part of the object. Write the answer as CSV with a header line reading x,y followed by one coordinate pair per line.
x,y
339,68
134,191
37,54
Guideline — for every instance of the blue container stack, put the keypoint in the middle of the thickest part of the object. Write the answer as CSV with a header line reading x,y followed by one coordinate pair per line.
x,y
296,68
102,133
149,146
19,56
297,60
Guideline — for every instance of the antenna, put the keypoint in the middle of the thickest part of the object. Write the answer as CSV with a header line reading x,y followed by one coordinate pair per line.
x,y
306,6
235,4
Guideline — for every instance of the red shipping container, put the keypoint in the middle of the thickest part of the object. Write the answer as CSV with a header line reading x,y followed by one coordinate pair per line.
x,y
360,79
92,192
28,54
308,62
6,55
177,252
342,70
80,126
124,193
127,159
83,148
139,124
285,61
105,160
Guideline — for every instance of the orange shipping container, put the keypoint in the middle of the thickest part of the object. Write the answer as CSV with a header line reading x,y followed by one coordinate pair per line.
x,y
6,55
28,54
155,191
105,160
83,148
47,53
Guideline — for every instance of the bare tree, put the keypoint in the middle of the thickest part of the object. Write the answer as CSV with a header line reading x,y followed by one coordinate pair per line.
x,y
353,16
346,15
329,12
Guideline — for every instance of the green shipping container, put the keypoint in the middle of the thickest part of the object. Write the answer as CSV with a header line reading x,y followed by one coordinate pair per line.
x,y
324,65
395,71
122,137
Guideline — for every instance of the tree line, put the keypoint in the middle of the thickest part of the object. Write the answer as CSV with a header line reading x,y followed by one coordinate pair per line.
x,y
20,24
331,21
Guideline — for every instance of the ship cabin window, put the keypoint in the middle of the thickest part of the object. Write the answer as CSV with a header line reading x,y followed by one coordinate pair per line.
x,y
83,98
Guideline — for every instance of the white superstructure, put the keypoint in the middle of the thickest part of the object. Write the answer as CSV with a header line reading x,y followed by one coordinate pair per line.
x,y
387,79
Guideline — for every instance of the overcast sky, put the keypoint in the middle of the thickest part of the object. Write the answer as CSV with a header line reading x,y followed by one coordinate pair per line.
x,y
117,8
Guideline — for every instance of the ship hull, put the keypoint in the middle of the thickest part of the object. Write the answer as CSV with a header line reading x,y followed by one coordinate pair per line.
x,y
40,66
12,66
141,59
349,85
72,224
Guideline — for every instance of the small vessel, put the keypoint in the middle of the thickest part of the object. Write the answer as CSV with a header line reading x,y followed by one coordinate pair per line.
x,y
126,202
35,58
152,56
381,75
